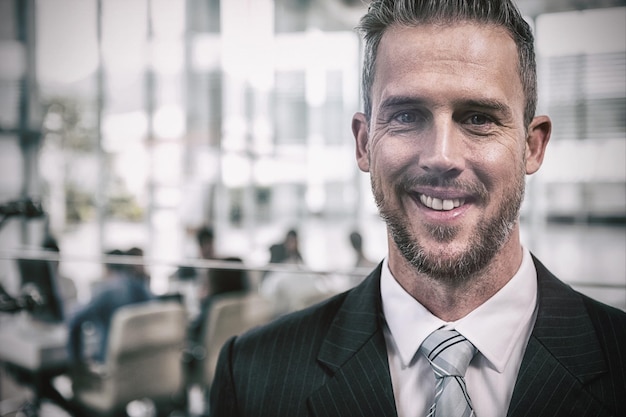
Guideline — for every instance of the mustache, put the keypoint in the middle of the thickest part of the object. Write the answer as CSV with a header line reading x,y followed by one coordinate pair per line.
x,y
407,184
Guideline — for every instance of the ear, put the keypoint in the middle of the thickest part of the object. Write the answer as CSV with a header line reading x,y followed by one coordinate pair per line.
x,y
536,142
360,131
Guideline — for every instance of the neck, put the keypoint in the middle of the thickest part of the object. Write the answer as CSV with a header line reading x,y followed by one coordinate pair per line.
x,y
453,301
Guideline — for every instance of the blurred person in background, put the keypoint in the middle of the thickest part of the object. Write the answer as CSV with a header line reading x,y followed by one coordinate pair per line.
x,y
191,283
205,236
287,251
361,261
215,281
288,290
356,241
138,268
205,240
448,135
219,281
199,285
121,286
226,280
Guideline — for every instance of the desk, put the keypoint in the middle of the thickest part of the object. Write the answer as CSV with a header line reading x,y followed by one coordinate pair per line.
x,y
33,353
33,346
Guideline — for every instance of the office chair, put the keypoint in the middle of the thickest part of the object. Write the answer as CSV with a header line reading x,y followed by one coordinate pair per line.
x,y
229,314
143,361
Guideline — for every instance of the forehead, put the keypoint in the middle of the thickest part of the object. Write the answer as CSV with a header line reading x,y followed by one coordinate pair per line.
x,y
457,58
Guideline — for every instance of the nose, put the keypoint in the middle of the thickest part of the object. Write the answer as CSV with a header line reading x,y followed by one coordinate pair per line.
x,y
442,151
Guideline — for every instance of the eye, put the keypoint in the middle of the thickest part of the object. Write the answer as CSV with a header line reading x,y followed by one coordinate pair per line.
x,y
406,117
478,120
410,117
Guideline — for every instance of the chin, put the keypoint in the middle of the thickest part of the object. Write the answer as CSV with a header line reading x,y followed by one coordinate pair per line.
x,y
445,267
446,254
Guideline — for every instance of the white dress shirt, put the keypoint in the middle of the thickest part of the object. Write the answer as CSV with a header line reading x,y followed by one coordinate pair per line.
x,y
499,328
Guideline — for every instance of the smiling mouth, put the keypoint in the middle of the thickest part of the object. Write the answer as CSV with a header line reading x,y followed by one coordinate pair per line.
x,y
441,204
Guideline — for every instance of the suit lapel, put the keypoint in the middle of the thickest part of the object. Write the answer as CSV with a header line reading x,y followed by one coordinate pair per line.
x,y
563,354
355,354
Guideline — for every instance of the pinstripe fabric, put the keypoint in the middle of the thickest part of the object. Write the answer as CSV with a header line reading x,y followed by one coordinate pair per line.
x,y
325,361
574,364
449,354
331,361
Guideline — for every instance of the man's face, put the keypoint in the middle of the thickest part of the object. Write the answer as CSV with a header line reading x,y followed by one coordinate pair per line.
x,y
445,145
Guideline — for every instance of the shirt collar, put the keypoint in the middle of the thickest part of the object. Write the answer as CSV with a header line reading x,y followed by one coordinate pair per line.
x,y
510,311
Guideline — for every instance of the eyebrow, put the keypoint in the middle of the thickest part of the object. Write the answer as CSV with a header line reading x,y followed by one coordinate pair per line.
x,y
487,104
395,101
478,103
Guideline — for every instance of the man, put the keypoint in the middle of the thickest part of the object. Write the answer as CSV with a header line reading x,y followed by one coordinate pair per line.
x,y
448,134
217,281
287,251
212,282
121,286
206,242
356,241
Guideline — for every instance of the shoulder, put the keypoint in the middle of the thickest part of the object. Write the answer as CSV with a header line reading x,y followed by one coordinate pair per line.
x,y
279,358
298,337
562,306
606,319
281,354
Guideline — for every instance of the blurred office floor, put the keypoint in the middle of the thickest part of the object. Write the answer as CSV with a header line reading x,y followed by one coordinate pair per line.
x,y
15,398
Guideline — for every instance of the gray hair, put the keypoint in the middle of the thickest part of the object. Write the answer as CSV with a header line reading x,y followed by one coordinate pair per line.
x,y
384,13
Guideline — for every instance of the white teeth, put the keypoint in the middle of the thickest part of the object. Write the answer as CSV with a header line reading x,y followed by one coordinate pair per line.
x,y
441,204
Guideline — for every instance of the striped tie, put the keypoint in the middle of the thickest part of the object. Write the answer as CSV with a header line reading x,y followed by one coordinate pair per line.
x,y
449,353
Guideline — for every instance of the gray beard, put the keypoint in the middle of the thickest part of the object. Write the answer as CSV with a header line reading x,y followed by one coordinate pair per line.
x,y
487,240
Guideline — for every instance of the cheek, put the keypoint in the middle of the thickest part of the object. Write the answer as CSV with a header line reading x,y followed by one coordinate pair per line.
x,y
393,150
499,162
390,162
507,148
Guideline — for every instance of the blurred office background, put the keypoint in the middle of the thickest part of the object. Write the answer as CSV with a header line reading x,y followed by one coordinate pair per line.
x,y
136,122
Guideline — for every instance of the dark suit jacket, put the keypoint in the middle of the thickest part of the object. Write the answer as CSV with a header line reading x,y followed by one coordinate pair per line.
x,y
331,360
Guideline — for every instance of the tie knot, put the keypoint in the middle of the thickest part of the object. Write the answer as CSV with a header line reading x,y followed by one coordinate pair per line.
x,y
448,352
